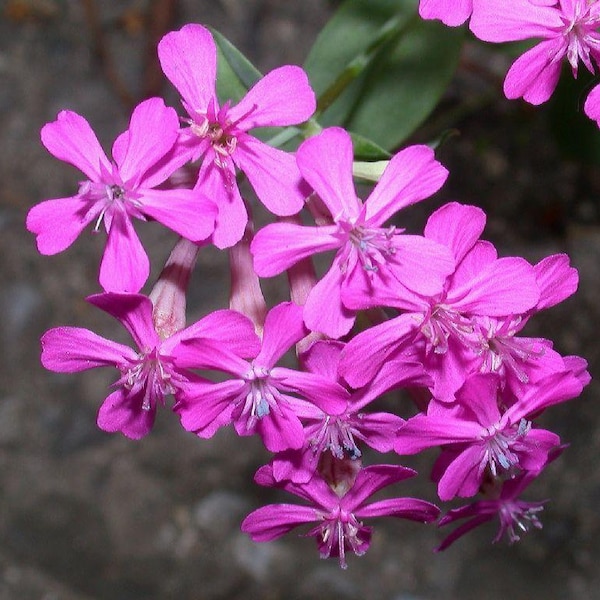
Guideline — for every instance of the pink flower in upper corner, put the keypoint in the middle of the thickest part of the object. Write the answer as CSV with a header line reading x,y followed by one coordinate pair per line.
x,y
339,529
115,192
450,12
148,374
568,29
370,257
219,134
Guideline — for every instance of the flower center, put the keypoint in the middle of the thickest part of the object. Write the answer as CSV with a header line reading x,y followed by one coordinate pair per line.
x,y
443,323
110,197
499,454
581,35
518,518
336,434
373,245
340,531
259,396
151,375
501,350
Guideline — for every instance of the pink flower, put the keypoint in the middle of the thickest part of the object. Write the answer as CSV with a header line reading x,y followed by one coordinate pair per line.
x,y
441,330
479,438
339,433
521,360
258,397
567,28
148,374
115,192
516,516
338,528
450,12
369,257
219,134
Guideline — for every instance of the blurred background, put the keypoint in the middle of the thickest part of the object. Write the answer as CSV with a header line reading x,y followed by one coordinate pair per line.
x,y
87,515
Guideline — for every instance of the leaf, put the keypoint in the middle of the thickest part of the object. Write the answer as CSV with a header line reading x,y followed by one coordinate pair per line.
x,y
366,149
235,73
401,81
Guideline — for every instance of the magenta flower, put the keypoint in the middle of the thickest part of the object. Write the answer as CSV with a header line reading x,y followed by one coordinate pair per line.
x,y
339,529
450,12
521,360
340,432
480,439
441,330
148,374
258,398
370,257
568,29
516,516
115,192
219,134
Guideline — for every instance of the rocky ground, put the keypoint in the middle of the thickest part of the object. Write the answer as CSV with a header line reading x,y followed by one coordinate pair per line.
x,y
85,515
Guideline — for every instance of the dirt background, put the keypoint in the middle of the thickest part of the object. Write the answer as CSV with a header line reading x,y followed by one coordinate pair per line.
x,y
85,515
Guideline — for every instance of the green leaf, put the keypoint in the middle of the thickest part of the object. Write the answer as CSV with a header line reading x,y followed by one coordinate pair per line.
x,y
367,150
235,73
401,79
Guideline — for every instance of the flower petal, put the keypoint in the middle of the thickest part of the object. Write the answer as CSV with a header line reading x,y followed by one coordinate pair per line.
x,y
372,479
325,161
324,311
73,349
278,246
556,279
57,223
412,175
273,174
121,412
188,58
457,226
506,286
364,354
451,12
134,312
282,97
153,129
232,216
125,266
535,74
208,406
71,139
187,212
283,328
405,508
274,520
500,21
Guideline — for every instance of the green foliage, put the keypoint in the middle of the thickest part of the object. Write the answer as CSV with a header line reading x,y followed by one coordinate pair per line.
x,y
379,70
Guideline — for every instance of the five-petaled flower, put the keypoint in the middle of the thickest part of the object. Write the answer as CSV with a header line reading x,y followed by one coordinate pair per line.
x,y
370,257
339,527
148,374
116,191
219,134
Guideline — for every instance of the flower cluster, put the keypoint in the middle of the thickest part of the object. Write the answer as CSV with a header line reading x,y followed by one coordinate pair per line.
x,y
439,314
566,29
